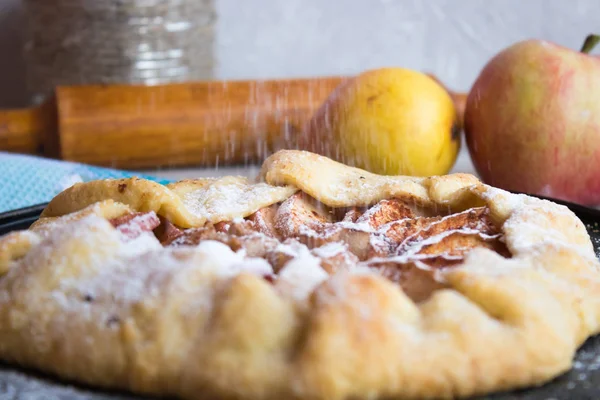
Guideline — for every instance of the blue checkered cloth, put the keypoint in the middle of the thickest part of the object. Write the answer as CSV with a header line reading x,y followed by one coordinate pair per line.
x,y
28,180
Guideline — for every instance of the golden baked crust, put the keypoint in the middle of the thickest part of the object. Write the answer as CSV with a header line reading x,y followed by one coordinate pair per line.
x,y
186,203
82,300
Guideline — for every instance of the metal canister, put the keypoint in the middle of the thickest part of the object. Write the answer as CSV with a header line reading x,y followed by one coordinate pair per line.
x,y
117,41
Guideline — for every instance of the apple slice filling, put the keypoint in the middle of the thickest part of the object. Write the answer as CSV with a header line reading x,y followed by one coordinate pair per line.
x,y
402,243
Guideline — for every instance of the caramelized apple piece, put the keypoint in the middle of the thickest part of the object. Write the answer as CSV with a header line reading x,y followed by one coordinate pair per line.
x,y
416,280
193,236
166,232
335,257
384,212
263,220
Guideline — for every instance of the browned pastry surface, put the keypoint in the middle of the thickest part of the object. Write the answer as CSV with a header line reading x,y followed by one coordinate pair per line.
x,y
318,282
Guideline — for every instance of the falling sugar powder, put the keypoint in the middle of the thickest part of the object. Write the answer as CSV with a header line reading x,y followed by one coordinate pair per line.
x,y
68,181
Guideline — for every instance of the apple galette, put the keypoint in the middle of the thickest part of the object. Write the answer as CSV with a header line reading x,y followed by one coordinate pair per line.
x,y
317,281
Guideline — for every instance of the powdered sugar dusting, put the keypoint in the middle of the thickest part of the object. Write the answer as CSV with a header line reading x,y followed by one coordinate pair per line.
x,y
69,180
361,226
414,247
124,281
330,250
544,223
293,248
502,197
108,275
140,224
143,243
301,276
226,263
227,199
50,224
306,267
296,216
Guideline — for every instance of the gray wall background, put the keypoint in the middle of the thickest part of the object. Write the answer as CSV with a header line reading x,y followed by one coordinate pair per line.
x,y
286,38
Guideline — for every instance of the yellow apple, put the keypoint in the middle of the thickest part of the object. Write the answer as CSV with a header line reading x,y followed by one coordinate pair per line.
x,y
391,121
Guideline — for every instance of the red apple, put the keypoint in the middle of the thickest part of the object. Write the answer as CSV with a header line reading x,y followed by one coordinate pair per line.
x,y
532,121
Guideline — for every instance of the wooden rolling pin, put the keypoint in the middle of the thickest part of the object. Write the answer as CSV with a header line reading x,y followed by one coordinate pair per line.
x,y
135,127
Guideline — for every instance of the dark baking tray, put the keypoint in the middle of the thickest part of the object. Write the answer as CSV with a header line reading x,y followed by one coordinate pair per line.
x,y
581,382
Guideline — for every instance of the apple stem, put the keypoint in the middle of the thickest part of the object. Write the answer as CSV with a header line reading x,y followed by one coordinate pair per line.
x,y
590,42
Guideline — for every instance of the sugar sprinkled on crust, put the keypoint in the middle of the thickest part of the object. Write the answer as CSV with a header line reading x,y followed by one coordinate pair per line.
x,y
226,199
330,249
301,276
241,335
